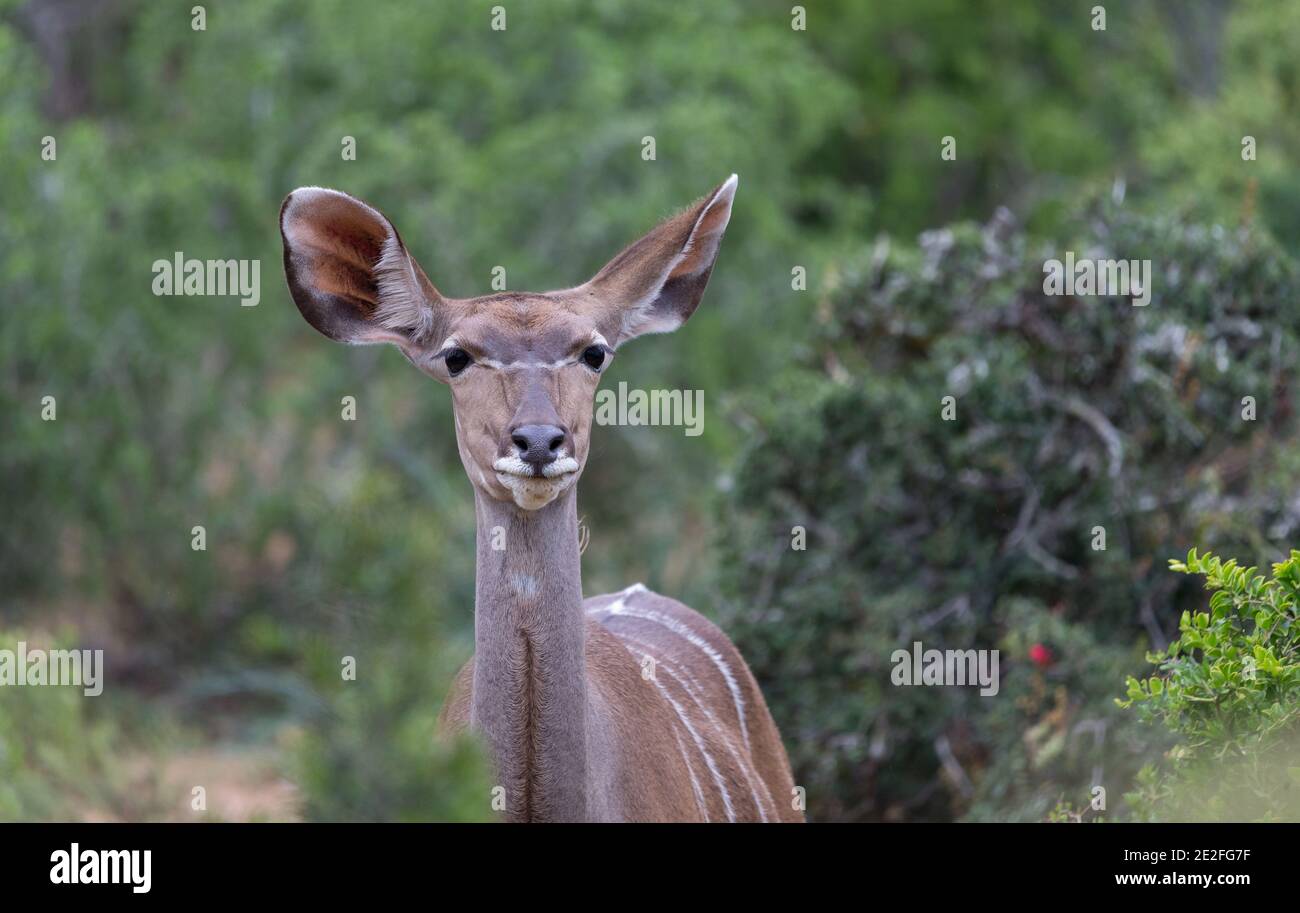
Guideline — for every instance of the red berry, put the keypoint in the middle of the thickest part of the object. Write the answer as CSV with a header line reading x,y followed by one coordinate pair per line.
x,y
1041,655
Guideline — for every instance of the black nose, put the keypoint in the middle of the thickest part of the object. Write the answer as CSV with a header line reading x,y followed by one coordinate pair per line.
x,y
538,444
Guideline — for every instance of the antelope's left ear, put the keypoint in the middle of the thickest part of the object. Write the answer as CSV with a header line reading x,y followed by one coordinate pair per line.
x,y
657,282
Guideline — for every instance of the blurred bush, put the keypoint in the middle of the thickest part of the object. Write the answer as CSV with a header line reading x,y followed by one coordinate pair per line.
x,y
372,757
1075,418
56,752
1244,85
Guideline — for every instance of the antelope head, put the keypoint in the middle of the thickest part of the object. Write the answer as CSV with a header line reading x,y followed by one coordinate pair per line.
x,y
523,367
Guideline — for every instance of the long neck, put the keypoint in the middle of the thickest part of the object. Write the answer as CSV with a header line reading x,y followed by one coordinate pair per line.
x,y
530,675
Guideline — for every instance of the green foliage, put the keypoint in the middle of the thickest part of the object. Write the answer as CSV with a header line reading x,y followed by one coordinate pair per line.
x,y
1034,97
372,756
1230,693
1072,414
55,749
1194,157
1042,105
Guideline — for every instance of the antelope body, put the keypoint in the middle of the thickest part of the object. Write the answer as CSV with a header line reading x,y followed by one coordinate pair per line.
x,y
624,707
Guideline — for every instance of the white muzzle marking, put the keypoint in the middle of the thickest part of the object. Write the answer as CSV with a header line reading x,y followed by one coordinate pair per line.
x,y
533,492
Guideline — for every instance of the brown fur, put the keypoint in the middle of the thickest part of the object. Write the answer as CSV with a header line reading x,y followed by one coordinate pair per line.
x,y
654,767
626,707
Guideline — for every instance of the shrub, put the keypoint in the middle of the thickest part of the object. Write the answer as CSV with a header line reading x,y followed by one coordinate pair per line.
x,y
1091,439
373,756
59,751
1230,692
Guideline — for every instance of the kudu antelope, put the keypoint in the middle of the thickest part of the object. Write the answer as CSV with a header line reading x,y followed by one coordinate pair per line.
x,y
624,707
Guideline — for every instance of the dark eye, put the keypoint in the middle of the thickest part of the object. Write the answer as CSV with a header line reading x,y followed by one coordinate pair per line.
x,y
457,361
594,356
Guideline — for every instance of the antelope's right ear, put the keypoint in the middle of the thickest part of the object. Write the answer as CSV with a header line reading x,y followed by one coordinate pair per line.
x,y
350,274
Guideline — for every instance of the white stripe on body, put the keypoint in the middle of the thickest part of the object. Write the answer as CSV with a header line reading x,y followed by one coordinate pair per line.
x,y
695,782
699,743
744,764
620,607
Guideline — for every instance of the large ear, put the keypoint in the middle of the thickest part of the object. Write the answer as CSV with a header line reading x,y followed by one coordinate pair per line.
x,y
656,283
350,274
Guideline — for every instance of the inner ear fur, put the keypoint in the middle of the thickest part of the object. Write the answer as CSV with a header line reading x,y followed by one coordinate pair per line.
x,y
350,274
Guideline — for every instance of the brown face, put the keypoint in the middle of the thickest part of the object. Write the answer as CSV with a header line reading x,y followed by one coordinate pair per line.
x,y
523,372
523,368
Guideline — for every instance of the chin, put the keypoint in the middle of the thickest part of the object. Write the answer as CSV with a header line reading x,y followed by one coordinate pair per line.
x,y
533,493
530,491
